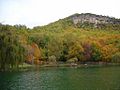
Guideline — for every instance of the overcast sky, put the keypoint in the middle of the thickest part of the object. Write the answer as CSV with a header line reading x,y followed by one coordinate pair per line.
x,y
41,12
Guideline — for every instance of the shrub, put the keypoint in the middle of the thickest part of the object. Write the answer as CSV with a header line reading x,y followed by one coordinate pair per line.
x,y
116,58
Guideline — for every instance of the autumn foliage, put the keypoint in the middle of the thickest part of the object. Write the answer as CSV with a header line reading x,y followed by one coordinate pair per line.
x,y
60,42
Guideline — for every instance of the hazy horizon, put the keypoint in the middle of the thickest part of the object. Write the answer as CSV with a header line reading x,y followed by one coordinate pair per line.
x,y
41,12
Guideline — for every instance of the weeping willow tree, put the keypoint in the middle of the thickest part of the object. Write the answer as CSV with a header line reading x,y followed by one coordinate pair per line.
x,y
12,53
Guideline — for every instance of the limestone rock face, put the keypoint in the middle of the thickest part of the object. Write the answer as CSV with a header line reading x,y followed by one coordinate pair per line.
x,y
94,19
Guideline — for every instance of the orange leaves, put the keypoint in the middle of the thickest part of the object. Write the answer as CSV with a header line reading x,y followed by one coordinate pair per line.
x,y
108,51
36,50
85,45
33,54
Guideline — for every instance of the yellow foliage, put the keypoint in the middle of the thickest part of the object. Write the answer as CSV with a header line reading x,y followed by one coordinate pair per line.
x,y
75,50
108,51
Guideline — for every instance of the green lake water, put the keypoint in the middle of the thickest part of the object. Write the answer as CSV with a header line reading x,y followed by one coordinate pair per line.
x,y
62,78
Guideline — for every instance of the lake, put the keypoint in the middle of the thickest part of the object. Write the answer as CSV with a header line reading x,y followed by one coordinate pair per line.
x,y
62,78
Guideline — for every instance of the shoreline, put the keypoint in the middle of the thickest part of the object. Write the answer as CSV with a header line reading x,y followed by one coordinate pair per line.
x,y
79,65
70,65
26,67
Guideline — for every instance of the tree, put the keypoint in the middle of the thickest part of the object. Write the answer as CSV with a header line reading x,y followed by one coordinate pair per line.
x,y
107,52
96,54
76,50
12,53
115,58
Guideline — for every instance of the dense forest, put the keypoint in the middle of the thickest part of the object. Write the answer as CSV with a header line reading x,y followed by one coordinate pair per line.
x,y
72,39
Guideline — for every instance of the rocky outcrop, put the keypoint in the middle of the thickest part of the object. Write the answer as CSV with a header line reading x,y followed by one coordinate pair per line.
x,y
93,18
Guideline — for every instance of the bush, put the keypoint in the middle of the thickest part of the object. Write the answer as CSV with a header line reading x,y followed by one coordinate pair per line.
x,y
72,60
52,58
116,58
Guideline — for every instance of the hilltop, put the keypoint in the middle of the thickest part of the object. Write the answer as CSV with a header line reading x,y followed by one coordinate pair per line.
x,y
84,20
93,18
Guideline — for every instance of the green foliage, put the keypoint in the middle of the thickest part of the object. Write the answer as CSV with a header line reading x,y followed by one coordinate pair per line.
x,y
12,52
116,57
60,41
72,60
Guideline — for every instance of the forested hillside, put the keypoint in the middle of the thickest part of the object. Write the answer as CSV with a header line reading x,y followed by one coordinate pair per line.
x,y
78,38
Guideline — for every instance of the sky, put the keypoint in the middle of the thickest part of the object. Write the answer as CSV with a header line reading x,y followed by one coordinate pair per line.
x,y
41,12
